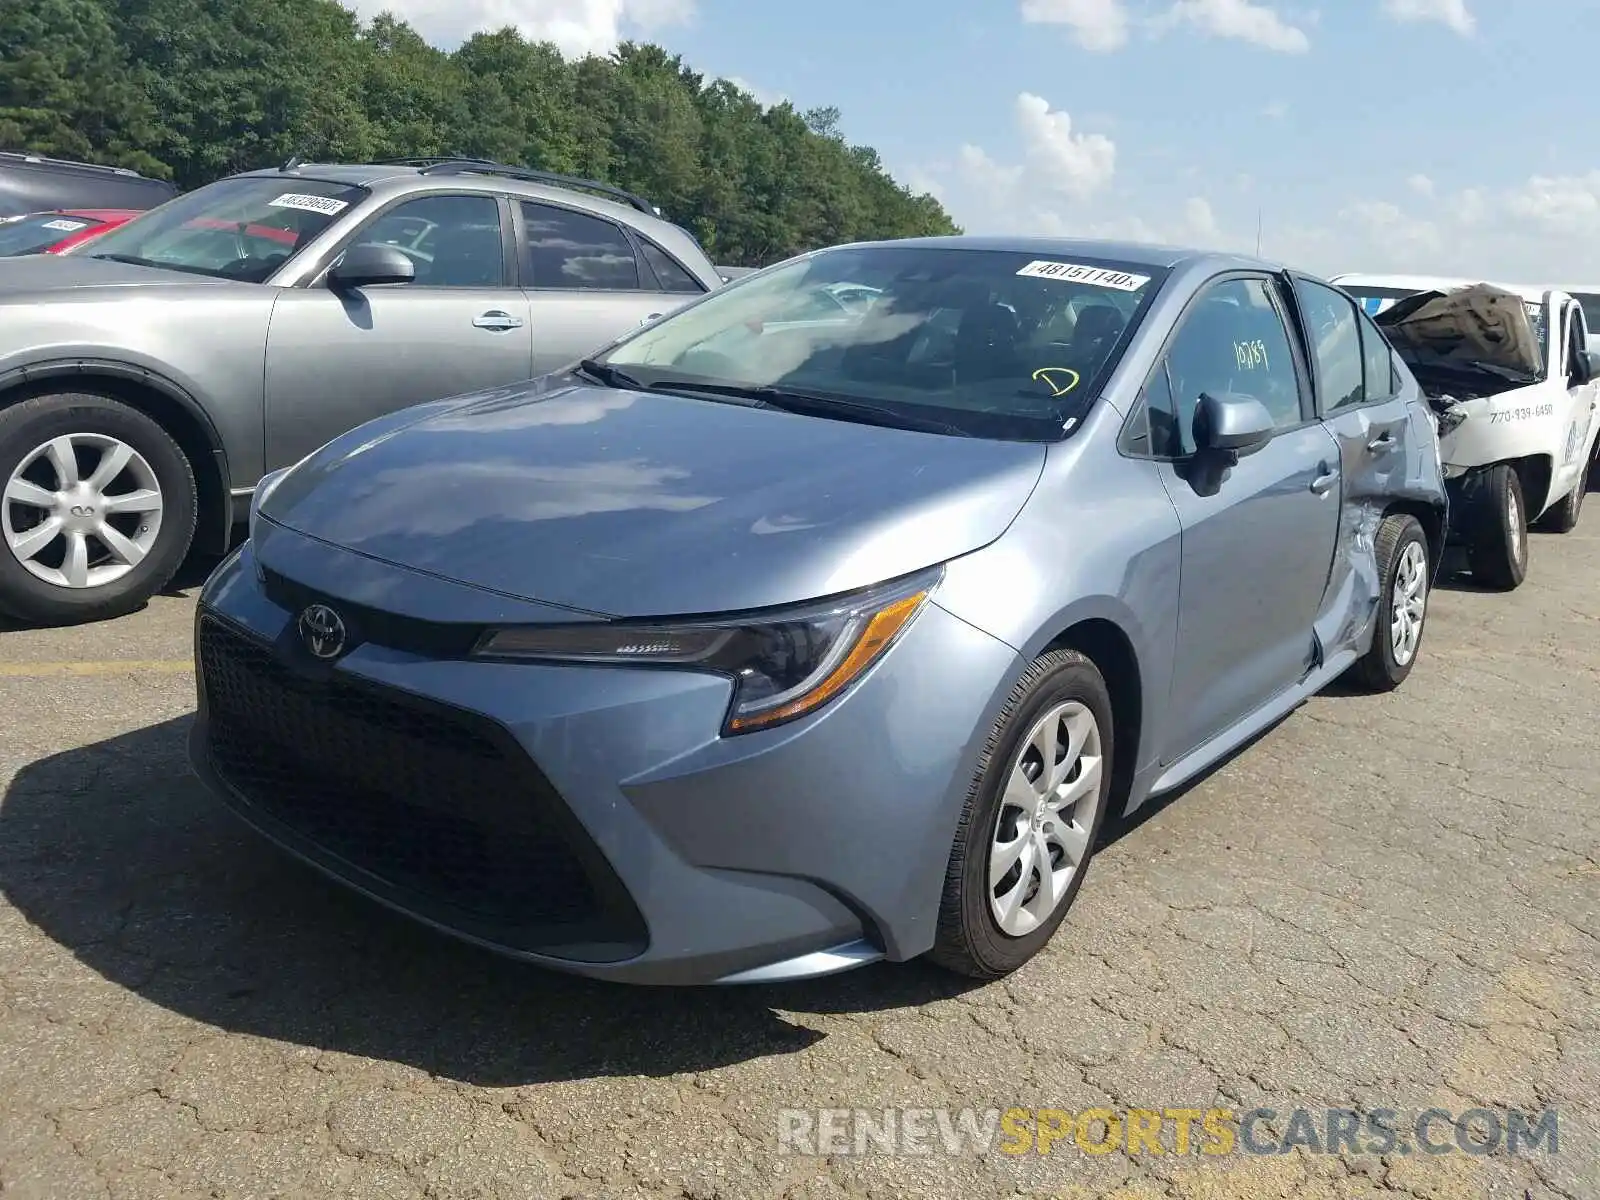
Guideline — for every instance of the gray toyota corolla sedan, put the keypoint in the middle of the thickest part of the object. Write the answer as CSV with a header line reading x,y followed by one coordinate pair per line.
x,y
783,635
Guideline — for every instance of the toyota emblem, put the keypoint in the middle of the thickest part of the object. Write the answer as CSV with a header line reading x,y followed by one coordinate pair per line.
x,y
322,630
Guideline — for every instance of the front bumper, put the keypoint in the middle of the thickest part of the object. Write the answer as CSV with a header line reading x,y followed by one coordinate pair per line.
x,y
589,819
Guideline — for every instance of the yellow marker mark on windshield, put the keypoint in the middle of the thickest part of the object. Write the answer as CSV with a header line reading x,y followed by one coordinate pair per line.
x,y
1060,380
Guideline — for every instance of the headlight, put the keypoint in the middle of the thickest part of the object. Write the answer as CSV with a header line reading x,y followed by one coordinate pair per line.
x,y
784,663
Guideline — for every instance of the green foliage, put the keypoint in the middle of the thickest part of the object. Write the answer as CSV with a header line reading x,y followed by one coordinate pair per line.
x,y
197,89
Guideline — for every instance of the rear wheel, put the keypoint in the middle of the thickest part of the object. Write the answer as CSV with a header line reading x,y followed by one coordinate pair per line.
x,y
1030,821
1563,517
1498,553
1402,605
97,508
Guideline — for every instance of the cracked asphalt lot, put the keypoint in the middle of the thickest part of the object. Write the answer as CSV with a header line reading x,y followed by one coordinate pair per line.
x,y
1389,902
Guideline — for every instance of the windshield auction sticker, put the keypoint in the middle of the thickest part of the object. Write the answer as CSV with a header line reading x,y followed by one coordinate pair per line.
x,y
326,205
1078,273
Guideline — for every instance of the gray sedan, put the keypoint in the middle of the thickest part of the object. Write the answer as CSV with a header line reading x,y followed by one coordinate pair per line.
x,y
758,647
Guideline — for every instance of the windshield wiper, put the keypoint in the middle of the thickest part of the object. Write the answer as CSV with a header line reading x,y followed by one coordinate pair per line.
x,y
822,404
132,260
767,396
610,376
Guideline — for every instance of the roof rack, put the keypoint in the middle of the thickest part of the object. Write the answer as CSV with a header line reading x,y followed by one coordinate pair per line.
x,y
465,166
28,156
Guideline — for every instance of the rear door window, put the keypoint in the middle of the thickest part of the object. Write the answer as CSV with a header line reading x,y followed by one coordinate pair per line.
x,y
1336,347
574,251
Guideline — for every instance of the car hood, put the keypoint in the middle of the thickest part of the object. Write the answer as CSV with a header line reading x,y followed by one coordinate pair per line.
x,y
623,503
35,277
1479,338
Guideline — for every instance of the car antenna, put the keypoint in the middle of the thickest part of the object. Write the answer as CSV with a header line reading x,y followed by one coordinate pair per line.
x,y
292,165
1258,233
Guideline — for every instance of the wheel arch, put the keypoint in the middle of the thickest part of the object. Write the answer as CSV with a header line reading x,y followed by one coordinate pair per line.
x,y
164,402
1108,646
1534,473
1432,518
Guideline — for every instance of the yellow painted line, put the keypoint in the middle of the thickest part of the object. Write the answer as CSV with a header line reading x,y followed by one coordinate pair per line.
x,y
110,666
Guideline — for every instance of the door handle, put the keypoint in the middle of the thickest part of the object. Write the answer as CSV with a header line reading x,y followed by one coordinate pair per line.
x,y
497,321
1384,441
651,317
1324,481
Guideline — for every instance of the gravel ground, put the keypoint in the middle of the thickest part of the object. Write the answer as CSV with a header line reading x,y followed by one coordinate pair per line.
x,y
1384,903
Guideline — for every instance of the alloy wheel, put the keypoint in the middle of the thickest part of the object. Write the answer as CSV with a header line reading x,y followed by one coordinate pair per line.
x,y
1519,536
1409,599
81,510
1041,833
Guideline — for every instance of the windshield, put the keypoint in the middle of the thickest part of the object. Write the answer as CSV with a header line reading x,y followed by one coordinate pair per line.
x,y
989,343
242,228
37,232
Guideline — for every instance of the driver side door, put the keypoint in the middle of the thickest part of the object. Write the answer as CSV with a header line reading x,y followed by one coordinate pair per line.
x,y
1258,546
336,360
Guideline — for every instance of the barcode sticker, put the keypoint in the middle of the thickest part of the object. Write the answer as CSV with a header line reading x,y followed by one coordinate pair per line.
x,y
326,205
1077,273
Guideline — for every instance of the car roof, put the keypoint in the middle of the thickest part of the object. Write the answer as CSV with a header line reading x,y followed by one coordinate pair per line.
x,y
380,175
1139,254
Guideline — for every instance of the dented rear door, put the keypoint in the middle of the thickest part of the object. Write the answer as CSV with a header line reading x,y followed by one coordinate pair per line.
x,y
1360,399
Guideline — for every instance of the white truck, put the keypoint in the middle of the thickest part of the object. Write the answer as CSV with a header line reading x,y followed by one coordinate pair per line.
x,y
1510,375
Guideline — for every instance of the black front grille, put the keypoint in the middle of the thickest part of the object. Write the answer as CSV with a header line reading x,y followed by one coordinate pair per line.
x,y
439,807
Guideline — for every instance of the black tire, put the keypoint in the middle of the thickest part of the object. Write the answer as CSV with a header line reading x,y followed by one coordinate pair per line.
x,y
1498,553
1378,670
969,940
1563,516
26,426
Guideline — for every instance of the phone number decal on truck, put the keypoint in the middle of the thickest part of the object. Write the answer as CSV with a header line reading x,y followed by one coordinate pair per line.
x,y
1521,414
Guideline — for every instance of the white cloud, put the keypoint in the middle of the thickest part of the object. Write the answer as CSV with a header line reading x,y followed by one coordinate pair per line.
x,y
1278,110
1420,184
1099,25
577,26
1078,164
760,95
1242,20
1543,230
1059,164
1451,13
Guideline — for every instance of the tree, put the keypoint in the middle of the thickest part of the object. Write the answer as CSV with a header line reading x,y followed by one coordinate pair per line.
x,y
198,89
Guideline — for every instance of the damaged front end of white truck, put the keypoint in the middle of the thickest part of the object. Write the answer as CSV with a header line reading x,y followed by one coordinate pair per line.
x,y
1513,384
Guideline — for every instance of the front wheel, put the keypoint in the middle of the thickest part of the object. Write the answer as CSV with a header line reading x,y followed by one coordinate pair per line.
x,y
1498,554
97,508
1030,821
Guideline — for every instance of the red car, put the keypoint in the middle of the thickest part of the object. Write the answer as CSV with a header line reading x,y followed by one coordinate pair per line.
x,y
54,232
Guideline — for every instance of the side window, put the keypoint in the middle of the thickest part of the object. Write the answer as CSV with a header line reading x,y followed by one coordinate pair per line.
x,y
454,241
576,252
672,277
1330,321
1383,380
1232,340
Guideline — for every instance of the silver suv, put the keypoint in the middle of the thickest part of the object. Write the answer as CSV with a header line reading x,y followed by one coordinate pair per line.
x,y
149,381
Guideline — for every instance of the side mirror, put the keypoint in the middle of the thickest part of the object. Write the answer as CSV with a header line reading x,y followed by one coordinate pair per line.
x,y
1231,425
369,263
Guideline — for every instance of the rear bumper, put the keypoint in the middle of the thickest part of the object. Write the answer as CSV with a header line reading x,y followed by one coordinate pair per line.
x,y
592,819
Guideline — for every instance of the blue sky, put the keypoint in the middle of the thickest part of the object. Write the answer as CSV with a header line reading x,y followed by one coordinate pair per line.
x,y
1419,135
